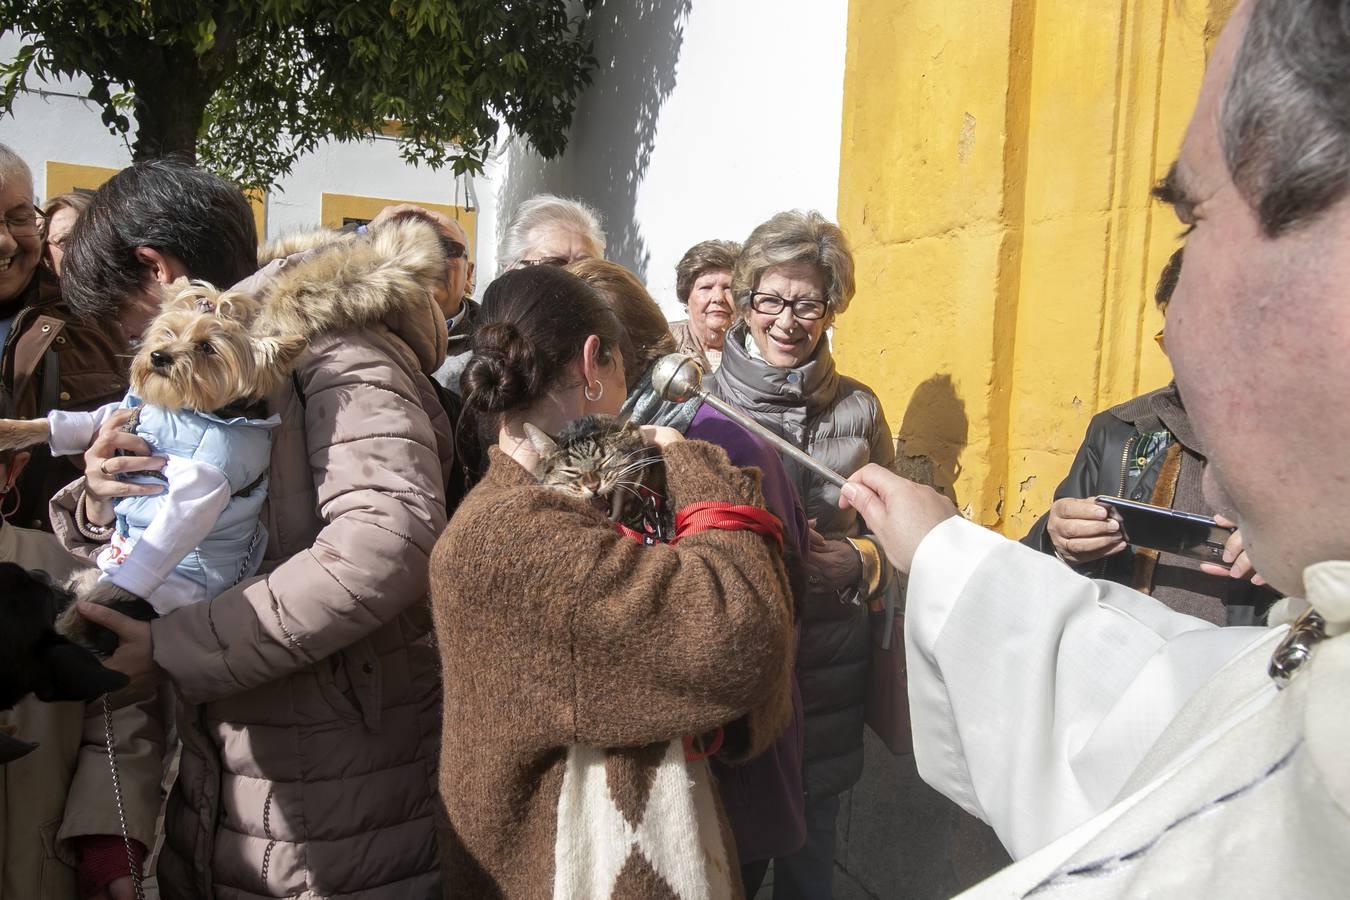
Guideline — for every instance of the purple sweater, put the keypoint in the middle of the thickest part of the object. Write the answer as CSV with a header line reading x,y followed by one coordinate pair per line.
x,y
763,797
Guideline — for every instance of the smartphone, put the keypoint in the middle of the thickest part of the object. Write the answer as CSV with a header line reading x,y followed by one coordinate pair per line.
x,y
1159,528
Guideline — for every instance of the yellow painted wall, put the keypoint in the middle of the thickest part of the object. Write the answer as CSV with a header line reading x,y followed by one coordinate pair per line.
x,y
995,169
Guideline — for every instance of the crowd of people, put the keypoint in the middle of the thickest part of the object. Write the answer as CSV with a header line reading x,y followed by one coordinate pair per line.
x,y
448,679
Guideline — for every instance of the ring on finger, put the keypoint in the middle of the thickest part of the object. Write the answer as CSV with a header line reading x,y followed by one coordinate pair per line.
x,y
103,467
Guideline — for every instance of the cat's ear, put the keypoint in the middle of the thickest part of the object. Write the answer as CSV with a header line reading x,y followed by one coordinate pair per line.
x,y
543,444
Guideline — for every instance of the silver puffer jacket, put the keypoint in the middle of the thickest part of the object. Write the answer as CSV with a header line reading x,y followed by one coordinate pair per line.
x,y
839,421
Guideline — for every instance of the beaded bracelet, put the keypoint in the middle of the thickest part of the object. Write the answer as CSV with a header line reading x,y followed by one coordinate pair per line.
x,y
99,534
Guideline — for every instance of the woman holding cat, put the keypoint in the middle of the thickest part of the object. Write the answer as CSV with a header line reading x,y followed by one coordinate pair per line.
x,y
578,662
762,796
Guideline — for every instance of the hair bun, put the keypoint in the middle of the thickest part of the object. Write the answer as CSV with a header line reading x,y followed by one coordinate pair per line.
x,y
504,372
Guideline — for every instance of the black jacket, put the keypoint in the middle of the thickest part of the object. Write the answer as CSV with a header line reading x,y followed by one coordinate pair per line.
x,y
1121,456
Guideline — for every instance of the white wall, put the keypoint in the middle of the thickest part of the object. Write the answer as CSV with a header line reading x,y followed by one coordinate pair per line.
x,y
704,118
57,127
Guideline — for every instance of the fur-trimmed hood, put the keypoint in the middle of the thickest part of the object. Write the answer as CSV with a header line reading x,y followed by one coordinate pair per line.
x,y
325,281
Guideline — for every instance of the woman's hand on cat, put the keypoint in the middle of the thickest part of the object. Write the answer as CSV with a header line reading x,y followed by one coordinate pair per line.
x,y
102,465
660,436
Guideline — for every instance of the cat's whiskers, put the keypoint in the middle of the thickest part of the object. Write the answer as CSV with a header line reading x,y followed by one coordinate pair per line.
x,y
638,466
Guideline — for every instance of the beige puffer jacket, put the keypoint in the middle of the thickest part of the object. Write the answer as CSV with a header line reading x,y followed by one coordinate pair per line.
x,y
309,761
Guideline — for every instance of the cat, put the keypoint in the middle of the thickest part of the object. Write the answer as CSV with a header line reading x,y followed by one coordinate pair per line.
x,y
605,461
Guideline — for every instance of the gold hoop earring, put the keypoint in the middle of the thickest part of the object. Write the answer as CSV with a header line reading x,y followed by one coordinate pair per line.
x,y
600,392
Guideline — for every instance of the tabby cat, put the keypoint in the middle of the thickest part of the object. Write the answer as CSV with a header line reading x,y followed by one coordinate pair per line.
x,y
604,461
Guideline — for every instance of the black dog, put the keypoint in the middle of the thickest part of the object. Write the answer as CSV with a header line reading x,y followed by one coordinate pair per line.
x,y
34,659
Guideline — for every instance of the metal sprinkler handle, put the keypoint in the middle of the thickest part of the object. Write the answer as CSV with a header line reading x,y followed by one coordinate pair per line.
x,y
678,378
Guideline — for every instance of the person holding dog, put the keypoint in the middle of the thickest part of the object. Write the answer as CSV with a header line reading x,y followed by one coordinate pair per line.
x,y
309,695
59,831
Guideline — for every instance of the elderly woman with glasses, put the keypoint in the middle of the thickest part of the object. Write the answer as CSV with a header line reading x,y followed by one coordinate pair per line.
x,y
550,231
792,278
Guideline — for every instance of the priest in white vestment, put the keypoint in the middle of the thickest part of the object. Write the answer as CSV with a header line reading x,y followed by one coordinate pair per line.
x,y
1118,748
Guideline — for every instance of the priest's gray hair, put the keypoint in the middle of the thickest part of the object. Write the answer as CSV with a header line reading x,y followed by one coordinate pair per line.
x,y
1285,125
541,211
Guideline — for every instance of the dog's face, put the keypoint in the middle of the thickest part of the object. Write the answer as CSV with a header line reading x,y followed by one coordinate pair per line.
x,y
34,659
200,354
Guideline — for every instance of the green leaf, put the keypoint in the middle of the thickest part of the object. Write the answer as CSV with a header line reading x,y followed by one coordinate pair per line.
x,y
265,81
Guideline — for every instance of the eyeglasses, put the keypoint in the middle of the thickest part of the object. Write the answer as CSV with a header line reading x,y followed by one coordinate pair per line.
x,y
558,261
453,249
27,223
806,309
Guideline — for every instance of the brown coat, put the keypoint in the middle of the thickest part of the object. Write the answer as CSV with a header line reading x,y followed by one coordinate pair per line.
x,y
575,660
310,751
91,360
688,343
62,791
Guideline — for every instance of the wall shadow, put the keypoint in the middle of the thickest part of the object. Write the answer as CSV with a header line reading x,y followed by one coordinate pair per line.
x,y
932,435
637,47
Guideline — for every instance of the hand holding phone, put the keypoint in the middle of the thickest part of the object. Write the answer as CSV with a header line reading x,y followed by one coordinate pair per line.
x,y
1169,530
1082,531
1241,565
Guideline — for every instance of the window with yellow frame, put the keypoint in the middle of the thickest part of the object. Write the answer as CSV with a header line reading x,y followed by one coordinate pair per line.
x,y
339,210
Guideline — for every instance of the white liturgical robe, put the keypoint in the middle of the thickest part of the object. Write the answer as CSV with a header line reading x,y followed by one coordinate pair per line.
x,y
1118,748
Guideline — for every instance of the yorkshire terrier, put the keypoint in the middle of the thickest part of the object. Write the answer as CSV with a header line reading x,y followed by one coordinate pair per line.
x,y
198,383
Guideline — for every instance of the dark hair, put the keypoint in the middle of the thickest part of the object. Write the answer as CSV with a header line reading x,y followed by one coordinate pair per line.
x,y
535,322
1167,281
703,257
649,336
1285,121
166,205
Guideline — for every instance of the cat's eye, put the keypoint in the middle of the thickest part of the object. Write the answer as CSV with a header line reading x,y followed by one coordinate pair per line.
x,y
206,348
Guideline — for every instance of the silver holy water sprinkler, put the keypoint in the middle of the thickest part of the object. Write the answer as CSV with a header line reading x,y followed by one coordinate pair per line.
x,y
678,378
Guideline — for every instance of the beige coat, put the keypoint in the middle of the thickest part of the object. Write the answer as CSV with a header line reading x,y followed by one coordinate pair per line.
x,y
309,763
63,790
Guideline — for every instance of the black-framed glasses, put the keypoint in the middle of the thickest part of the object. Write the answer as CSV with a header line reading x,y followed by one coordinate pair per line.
x,y
453,249
805,309
27,223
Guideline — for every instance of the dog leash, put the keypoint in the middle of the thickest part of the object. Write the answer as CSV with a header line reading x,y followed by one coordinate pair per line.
x,y
133,868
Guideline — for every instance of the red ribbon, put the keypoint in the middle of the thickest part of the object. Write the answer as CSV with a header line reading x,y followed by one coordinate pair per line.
x,y
699,517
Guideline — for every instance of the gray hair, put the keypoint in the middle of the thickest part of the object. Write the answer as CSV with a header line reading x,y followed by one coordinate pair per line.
x,y
13,166
1285,125
542,210
797,237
